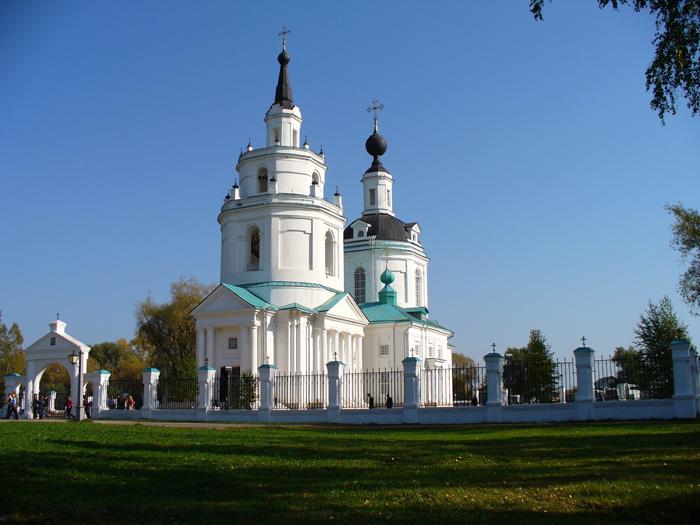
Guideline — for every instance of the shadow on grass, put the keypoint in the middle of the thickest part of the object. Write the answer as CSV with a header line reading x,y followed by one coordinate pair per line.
x,y
354,475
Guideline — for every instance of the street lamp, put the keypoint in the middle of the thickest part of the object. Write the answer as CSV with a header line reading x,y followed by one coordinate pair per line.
x,y
77,359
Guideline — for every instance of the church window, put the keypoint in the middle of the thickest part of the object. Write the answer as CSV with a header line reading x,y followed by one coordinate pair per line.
x,y
360,285
314,178
276,131
330,254
254,256
439,351
388,197
372,197
419,288
384,350
262,180
431,350
295,139
233,343
53,341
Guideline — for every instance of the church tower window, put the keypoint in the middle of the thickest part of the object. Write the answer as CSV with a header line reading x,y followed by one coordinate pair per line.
x,y
262,180
419,288
388,198
254,256
330,254
360,285
372,197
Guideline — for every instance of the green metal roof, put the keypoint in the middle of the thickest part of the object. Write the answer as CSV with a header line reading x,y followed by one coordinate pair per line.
x,y
330,303
390,313
250,297
295,284
297,306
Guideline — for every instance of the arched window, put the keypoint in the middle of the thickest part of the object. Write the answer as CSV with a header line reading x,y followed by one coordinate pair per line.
x,y
419,288
262,180
360,285
314,178
330,254
254,255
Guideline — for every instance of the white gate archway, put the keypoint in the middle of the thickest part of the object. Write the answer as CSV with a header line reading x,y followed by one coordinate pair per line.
x,y
53,348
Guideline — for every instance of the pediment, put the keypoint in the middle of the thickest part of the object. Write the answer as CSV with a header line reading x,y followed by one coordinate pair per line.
x,y
221,300
346,308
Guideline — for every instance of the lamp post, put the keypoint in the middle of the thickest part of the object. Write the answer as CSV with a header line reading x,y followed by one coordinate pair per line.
x,y
78,359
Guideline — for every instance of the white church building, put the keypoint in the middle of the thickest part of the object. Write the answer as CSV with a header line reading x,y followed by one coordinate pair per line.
x,y
298,288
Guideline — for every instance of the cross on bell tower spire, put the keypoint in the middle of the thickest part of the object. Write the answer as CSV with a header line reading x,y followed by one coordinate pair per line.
x,y
284,34
375,108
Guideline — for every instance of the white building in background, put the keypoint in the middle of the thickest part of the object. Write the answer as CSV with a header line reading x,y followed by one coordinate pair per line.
x,y
297,288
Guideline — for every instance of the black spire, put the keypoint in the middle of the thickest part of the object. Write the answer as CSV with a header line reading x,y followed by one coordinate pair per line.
x,y
376,144
283,93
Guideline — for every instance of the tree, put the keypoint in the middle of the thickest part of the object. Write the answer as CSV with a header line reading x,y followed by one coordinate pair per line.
x,y
656,328
686,239
119,357
676,63
629,362
531,372
165,333
11,354
462,361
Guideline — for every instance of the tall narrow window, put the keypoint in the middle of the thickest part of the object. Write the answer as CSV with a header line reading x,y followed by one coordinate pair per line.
x,y
254,256
262,180
372,197
388,198
419,288
360,285
330,254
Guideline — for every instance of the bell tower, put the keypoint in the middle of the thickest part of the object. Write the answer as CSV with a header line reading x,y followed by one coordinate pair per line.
x,y
377,181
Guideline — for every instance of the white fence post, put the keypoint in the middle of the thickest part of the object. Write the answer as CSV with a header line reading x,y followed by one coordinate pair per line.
x,y
150,390
683,394
100,381
205,378
411,389
585,394
52,401
695,377
267,374
335,390
494,386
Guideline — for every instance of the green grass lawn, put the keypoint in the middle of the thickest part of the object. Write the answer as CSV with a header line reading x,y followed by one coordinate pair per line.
x,y
574,473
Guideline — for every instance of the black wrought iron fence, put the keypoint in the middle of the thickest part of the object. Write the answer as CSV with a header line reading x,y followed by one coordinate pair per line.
x,y
177,392
300,391
125,393
539,381
236,392
622,379
367,388
458,386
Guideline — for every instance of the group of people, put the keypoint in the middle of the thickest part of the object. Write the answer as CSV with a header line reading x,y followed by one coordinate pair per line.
x,y
389,403
122,402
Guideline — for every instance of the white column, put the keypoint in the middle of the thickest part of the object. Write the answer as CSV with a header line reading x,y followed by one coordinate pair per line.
x,y
358,342
301,344
324,348
585,393
200,346
254,348
209,354
683,394
245,347
494,386
336,346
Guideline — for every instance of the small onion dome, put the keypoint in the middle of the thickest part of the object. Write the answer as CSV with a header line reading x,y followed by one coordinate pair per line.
x,y
283,58
376,145
228,196
337,191
387,277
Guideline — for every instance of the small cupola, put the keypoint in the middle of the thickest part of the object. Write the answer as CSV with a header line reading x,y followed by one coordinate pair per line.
x,y
387,295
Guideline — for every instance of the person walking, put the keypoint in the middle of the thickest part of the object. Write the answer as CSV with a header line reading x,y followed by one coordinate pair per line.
x,y
35,406
69,408
130,403
12,406
370,400
389,401
43,403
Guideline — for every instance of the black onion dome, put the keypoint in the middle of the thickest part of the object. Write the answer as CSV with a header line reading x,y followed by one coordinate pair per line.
x,y
376,145
384,227
283,58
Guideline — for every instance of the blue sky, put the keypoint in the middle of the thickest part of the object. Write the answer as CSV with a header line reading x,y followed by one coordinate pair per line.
x,y
527,151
